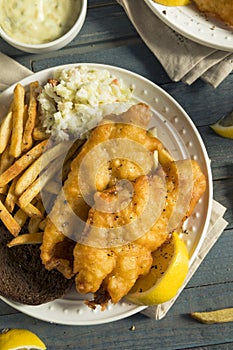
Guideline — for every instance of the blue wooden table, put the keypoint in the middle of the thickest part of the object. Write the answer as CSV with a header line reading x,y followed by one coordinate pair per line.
x,y
108,37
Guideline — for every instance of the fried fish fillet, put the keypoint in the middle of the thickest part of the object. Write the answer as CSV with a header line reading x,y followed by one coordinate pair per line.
x,y
110,273
222,9
99,167
115,209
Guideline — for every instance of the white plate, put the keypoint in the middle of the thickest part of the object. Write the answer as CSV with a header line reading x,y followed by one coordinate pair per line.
x,y
194,25
182,139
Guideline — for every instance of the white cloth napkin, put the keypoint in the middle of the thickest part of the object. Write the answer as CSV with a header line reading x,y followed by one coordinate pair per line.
x,y
182,59
12,73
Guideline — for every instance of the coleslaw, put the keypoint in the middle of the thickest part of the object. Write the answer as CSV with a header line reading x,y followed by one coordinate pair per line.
x,y
79,100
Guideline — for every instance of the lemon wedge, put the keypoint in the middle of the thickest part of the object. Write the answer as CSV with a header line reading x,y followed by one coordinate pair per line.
x,y
166,276
224,126
20,339
173,2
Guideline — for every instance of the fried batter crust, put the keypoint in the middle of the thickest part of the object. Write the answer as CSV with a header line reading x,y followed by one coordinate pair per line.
x,y
113,271
109,264
222,9
130,126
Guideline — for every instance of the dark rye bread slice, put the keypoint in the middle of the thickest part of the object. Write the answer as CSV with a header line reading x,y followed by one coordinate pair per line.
x,y
23,277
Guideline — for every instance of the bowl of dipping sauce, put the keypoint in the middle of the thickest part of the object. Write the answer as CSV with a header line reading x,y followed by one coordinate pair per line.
x,y
41,25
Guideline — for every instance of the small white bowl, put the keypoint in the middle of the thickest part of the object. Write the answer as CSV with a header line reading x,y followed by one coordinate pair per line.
x,y
55,44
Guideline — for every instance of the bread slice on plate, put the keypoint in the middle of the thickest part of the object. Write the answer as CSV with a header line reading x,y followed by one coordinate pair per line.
x,y
24,278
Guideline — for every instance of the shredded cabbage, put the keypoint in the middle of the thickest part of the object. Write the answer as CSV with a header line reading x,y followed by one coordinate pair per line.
x,y
82,97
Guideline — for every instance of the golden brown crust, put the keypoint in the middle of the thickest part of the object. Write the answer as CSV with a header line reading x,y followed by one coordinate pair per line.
x,y
222,9
123,226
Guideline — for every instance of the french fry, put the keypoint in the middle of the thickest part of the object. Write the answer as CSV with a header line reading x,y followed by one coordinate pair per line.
x,y
26,169
6,159
11,197
39,183
27,178
31,120
16,137
5,131
30,193
43,224
27,238
8,220
22,163
39,134
32,211
216,316
17,121
34,223
30,175
3,192
25,115
21,217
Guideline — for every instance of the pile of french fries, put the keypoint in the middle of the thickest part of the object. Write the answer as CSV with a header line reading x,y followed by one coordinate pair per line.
x,y
29,162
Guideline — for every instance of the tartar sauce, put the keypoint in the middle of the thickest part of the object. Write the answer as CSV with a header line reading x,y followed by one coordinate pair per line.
x,y
38,21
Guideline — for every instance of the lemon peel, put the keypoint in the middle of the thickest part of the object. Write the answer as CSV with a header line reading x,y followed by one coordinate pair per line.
x,y
224,126
166,276
17,339
173,2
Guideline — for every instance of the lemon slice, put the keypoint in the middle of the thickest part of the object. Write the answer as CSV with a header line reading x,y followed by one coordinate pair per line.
x,y
166,276
224,126
173,2
20,339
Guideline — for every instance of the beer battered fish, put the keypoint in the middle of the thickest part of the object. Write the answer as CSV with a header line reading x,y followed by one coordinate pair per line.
x,y
110,272
117,206
95,168
222,9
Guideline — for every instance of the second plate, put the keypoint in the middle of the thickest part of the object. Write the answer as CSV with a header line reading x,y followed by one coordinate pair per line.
x,y
194,25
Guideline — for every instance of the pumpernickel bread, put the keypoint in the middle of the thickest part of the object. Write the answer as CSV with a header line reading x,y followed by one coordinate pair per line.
x,y
23,277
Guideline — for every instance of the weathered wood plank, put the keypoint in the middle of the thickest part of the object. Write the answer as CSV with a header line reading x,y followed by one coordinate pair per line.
x,y
219,149
226,346
220,152
131,53
204,104
100,3
5,309
217,265
223,193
